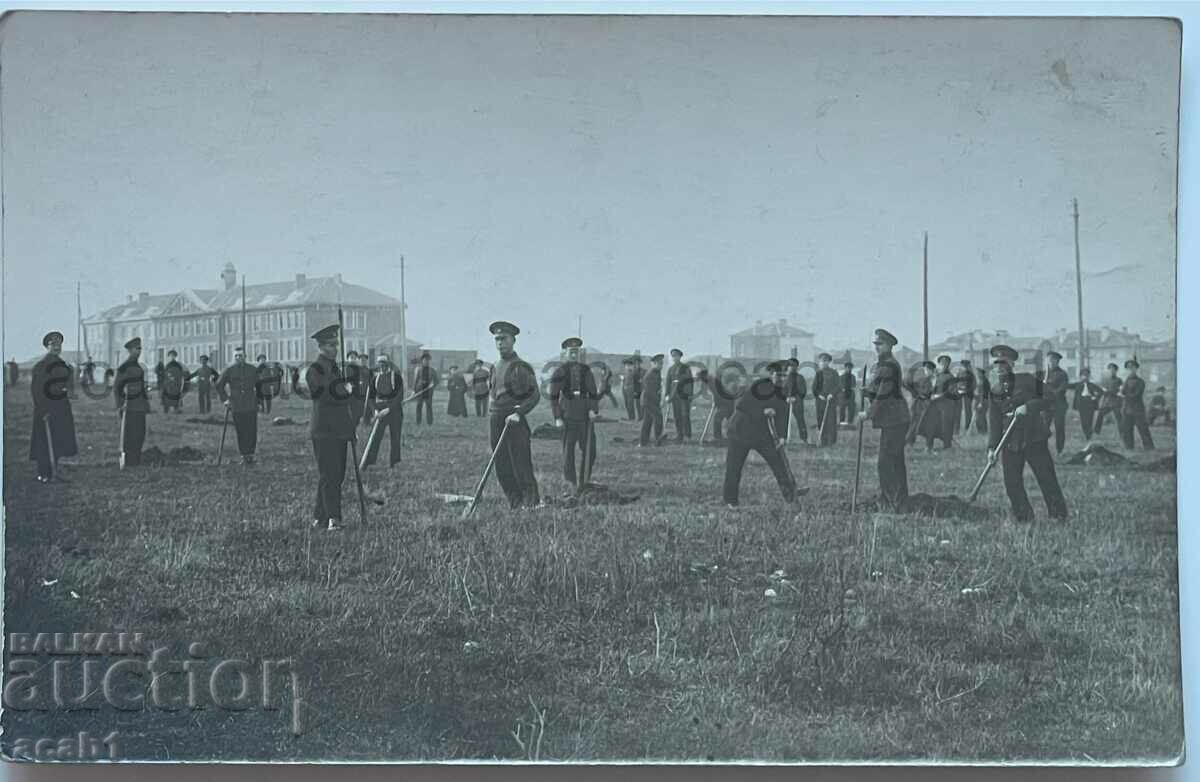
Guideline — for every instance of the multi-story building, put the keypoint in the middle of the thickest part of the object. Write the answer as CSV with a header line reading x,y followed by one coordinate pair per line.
x,y
772,341
279,317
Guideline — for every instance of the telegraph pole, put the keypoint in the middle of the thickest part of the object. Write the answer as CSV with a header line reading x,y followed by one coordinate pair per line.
x,y
1083,346
925,298
403,330
244,345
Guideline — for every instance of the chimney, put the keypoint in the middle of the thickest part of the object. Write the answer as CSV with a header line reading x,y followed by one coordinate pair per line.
x,y
129,298
300,280
143,297
229,276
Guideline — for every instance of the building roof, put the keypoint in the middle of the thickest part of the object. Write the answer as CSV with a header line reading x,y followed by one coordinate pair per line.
x,y
776,328
1099,338
141,308
393,341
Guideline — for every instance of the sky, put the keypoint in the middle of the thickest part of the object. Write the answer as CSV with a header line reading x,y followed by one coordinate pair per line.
x,y
669,180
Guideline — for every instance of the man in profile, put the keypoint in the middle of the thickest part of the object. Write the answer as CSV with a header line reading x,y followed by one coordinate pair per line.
x,y
753,428
53,422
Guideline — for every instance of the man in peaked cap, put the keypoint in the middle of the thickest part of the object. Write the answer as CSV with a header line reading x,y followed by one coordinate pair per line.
x,y
631,387
514,394
885,409
753,428
679,389
174,384
1019,397
425,379
944,401
53,422
479,387
204,376
923,420
133,401
1133,409
1056,384
239,389
795,388
575,403
652,413
265,379
385,398
825,388
1087,398
331,428
1110,402
966,393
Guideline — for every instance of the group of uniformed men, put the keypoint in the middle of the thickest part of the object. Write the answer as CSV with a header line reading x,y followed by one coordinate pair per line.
x,y
1017,410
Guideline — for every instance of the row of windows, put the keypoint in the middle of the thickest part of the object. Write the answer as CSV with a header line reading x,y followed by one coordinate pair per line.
x,y
284,320
186,327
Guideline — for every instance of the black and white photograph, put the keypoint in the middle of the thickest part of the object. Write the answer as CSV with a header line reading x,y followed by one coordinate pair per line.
x,y
590,388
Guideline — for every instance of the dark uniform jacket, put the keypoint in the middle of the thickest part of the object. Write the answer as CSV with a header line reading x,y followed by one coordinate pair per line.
x,y
1008,393
794,385
239,384
573,392
825,383
1056,386
1112,389
514,387
49,390
479,381
945,384
884,393
265,378
1094,393
386,392
749,421
652,388
129,387
679,381
425,379
848,384
204,376
174,378
632,382
330,401
1132,389
966,385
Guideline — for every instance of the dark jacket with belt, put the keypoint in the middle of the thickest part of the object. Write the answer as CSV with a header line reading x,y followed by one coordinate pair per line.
x,y
327,388
573,392
1007,394
1056,384
239,384
749,421
386,392
652,388
885,396
129,387
1133,390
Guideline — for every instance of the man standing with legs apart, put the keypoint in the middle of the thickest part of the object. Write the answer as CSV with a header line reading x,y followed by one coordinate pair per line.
x,y
825,389
847,414
204,376
133,401
385,397
1057,382
239,388
795,388
331,428
1110,403
514,393
679,389
652,414
885,408
479,387
753,428
966,393
53,422
1133,412
575,402
1019,397
1087,397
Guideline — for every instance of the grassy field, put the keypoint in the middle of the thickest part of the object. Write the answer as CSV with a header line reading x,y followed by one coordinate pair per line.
x,y
642,631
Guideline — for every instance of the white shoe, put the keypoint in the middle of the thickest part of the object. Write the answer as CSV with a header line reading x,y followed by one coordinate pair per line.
x,y
333,526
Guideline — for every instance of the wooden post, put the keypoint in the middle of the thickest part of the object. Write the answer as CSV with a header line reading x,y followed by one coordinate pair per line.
x,y
925,297
1083,347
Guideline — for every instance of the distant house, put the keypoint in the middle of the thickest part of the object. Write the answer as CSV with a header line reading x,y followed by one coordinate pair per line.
x,y
1116,346
280,316
772,341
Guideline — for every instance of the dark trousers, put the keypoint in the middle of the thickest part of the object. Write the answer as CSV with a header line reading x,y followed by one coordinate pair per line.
x,y
135,436
1136,419
981,425
389,425
169,401
720,416
681,409
573,437
735,459
514,463
828,428
1037,456
1105,412
1087,415
246,426
847,410
331,472
796,410
1058,420
204,395
652,417
481,406
947,412
633,407
264,403
425,403
893,472
968,409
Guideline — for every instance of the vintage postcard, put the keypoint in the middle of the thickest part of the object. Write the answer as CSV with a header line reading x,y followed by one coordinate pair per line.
x,y
617,388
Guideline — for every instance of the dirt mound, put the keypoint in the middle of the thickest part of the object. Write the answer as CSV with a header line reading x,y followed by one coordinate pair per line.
x,y
596,494
1165,464
284,421
1095,455
154,456
921,504
210,420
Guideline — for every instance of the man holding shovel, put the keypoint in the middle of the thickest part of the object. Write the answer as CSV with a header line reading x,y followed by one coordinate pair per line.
x,y
513,393
575,402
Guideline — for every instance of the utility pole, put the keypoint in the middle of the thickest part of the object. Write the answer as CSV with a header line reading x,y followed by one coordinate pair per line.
x,y
579,327
244,345
925,298
1083,346
403,330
